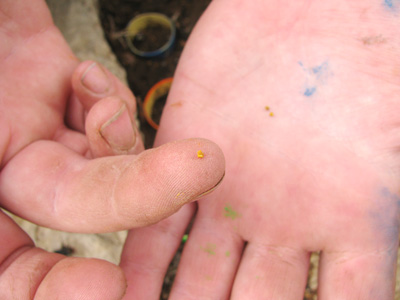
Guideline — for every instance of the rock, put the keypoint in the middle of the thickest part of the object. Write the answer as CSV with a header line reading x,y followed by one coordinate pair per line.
x,y
106,246
79,23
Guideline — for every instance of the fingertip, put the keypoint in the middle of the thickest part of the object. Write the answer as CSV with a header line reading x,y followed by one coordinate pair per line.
x,y
214,164
110,129
91,82
193,167
206,163
169,177
82,278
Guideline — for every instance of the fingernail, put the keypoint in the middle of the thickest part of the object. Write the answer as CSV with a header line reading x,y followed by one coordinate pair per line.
x,y
210,190
118,131
95,79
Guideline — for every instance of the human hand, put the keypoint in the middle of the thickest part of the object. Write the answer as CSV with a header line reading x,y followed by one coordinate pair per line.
x,y
302,96
53,139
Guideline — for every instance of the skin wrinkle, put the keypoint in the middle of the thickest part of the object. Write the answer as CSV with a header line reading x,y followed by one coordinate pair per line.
x,y
6,32
13,136
16,44
112,200
7,261
143,268
5,142
248,72
211,189
196,83
390,264
229,235
9,54
359,68
60,184
6,15
280,252
14,257
121,174
346,256
38,284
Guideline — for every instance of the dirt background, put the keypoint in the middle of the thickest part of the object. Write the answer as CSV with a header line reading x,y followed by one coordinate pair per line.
x,y
143,73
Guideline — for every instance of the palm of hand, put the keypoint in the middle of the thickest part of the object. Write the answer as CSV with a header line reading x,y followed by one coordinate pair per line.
x,y
305,128
35,83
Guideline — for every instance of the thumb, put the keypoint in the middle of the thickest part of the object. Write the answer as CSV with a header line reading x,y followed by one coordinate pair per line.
x,y
64,191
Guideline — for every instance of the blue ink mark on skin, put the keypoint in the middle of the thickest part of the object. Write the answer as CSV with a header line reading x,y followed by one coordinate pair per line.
x,y
389,3
315,76
386,215
385,192
320,70
310,91
388,195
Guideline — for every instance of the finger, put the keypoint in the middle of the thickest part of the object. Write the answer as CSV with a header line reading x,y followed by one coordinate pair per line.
x,y
148,252
346,275
209,261
5,138
82,278
27,272
110,129
92,82
271,272
13,239
53,186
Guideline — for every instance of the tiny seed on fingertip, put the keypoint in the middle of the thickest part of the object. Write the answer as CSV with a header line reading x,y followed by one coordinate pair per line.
x,y
271,114
267,108
200,154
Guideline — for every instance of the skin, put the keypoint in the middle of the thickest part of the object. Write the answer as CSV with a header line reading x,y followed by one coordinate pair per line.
x,y
321,174
71,159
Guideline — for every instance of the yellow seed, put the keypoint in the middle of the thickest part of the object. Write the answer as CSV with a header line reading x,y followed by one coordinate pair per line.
x,y
200,154
267,108
180,194
271,114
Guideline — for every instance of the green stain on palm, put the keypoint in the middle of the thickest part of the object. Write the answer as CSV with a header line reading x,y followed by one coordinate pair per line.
x,y
208,278
227,254
185,238
210,249
230,213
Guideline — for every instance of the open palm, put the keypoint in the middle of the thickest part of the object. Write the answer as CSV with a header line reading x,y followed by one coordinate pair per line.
x,y
303,100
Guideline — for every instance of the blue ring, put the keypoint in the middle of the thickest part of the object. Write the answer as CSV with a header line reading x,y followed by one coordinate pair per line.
x,y
150,17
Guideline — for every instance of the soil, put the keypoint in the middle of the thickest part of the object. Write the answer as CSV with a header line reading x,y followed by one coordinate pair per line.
x,y
151,38
158,108
144,73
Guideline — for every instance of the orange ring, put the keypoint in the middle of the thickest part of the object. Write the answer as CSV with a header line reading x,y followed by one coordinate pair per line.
x,y
158,90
